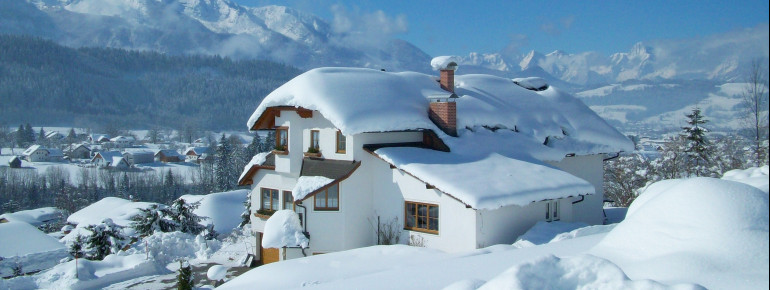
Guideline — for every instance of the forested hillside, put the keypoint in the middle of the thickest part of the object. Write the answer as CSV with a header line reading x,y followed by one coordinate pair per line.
x,y
46,84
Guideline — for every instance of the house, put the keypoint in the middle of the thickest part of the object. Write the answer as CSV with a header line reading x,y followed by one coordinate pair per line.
x,y
54,136
123,141
15,162
168,155
449,162
38,153
110,159
98,138
138,156
193,154
77,151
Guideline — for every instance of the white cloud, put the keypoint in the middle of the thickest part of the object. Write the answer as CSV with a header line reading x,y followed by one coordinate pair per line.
x,y
361,29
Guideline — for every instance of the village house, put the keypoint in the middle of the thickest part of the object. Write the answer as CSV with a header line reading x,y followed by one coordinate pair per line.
x,y
168,155
138,156
123,141
194,154
38,153
450,162
98,138
77,151
112,159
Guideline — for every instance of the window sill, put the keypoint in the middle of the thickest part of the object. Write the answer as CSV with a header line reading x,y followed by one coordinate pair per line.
x,y
262,216
315,155
422,231
278,152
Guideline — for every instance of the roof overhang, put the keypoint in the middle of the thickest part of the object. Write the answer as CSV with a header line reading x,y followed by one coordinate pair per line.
x,y
267,119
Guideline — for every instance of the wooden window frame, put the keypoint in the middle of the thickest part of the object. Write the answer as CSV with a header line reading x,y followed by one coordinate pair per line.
x,y
325,194
338,143
278,138
315,136
415,215
286,194
262,198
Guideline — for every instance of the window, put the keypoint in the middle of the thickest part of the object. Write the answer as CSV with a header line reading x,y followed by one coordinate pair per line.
x,y
288,200
328,199
314,140
270,199
552,210
340,142
282,139
421,217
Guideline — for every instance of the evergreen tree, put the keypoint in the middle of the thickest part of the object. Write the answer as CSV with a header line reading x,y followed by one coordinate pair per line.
x,y
152,219
72,136
697,147
29,134
41,136
181,213
123,187
246,215
21,136
269,143
254,147
225,177
106,238
169,186
76,248
184,277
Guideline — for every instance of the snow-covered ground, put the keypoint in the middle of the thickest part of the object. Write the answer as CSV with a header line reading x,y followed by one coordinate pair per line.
x,y
683,234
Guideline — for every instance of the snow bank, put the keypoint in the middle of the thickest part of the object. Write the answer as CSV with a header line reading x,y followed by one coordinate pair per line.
x,y
31,248
580,272
756,177
216,272
35,217
97,274
543,232
582,232
283,229
118,210
223,209
168,247
703,230
307,184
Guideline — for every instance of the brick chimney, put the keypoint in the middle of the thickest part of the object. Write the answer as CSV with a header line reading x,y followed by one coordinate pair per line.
x,y
444,115
447,80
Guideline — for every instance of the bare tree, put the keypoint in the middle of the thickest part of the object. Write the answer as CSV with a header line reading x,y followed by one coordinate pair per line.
x,y
755,100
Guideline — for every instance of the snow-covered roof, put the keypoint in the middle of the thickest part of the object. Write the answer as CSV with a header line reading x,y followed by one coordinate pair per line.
x,y
358,100
169,152
196,150
107,155
117,160
117,209
122,139
34,217
20,238
254,164
32,149
283,229
506,165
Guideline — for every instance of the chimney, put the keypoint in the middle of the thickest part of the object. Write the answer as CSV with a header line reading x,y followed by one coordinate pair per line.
x,y
443,109
444,115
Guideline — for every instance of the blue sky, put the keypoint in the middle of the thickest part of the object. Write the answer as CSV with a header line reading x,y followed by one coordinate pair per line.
x,y
453,27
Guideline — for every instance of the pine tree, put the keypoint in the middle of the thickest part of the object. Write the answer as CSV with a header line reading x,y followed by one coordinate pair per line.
x,y
254,147
41,135
184,277
76,248
152,219
123,187
225,178
29,134
21,136
106,238
72,136
181,213
697,147
246,215
269,142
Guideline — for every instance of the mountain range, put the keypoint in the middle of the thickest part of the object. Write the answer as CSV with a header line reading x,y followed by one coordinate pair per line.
x,y
286,35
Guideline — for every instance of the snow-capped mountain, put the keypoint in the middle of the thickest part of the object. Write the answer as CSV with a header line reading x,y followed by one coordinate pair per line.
x,y
205,26
721,57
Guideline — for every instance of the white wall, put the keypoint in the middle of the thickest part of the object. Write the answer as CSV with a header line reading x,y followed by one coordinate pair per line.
x,y
589,168
506,224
